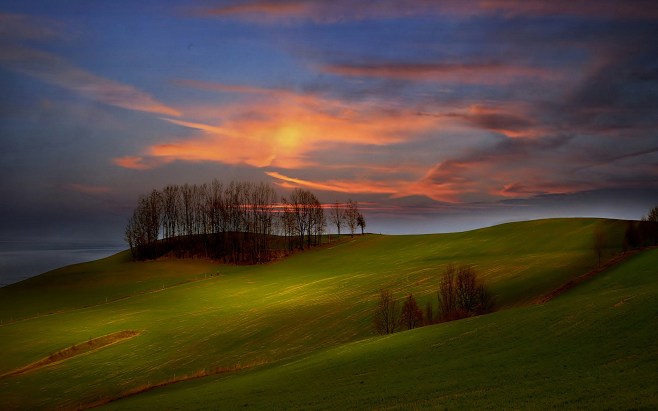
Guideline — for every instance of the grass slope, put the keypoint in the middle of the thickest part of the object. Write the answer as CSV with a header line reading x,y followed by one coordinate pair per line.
x,y
258,314
594,347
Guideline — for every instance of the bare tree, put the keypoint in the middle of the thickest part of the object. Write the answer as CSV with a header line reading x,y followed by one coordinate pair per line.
x,y
236,222
289,224
653,214
649,227
386,314
446,294
361,222
337,216
143,227
351,216
461,294
170,208
411,316
308,215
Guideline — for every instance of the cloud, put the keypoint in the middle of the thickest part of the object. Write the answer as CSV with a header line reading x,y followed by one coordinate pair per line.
x,y
470,73
283,129
322,11
445,193
513,121
264,8
138,162
55,70
519,167
361,187
31,28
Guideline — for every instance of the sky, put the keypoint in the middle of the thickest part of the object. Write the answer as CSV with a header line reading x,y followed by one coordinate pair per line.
x,y
435,116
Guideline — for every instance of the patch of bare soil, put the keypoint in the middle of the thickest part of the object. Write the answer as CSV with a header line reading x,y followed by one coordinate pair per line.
x,y
75,350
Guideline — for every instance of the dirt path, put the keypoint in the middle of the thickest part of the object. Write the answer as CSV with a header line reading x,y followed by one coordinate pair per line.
x,y
618,259
74,351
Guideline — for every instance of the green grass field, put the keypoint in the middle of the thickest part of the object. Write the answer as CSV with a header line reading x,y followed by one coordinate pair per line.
x,y
594,347
306,322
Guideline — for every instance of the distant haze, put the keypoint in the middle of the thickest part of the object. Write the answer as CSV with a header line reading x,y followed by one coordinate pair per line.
x,y
20,260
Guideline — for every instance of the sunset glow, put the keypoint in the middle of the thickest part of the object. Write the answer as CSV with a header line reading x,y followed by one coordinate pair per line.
x,y
446,111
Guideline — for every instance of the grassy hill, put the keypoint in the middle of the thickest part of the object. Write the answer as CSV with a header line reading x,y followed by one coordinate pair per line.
x,y
594,348
196,316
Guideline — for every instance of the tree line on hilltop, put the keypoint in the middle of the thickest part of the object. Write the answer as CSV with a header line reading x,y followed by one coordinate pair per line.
x,y
238,222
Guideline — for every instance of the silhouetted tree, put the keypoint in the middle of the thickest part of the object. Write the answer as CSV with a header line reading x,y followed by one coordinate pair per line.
x,y
351,216
653,214
386,314
361,222
337,216
411,316
237,222
308,216
648,227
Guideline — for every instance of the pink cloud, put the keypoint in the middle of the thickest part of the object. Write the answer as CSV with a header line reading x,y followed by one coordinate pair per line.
x,y
138,162
469,73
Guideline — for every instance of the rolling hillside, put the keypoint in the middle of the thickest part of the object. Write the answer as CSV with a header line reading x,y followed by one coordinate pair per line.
x,y
592,348
193,317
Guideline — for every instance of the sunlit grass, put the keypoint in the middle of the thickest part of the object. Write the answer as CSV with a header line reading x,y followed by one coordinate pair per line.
x,y
592,348
315,300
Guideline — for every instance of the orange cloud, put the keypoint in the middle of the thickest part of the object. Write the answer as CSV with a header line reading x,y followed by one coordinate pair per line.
x,y
137,162
511,120
370,187
447,193
284,129
525,189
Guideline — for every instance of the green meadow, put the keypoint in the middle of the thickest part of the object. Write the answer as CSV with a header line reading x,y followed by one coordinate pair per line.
x,y
297,333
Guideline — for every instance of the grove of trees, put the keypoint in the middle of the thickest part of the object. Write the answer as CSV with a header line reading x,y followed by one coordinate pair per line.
x,y
238,222
460,294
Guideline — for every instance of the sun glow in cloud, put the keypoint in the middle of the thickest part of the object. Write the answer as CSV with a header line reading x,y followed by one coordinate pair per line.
x,y
284,129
